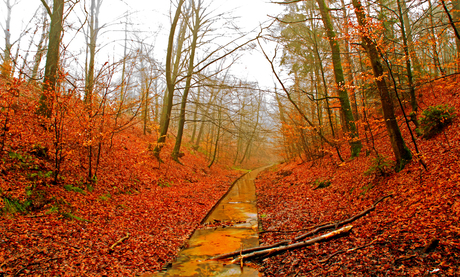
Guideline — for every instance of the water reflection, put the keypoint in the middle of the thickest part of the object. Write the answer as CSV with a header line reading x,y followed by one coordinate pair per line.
x,y
238,211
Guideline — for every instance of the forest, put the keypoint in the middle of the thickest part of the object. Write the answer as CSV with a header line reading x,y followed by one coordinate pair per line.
x,y
118,137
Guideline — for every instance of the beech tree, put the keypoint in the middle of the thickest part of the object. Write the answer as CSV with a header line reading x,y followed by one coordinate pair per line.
x,y
340,79
52,57
400,150
197,22
93,30
6,56
170,85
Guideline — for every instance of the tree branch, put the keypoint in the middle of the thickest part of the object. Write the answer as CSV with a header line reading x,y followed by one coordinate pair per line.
x,y
317,229
119,241
271,251
47,8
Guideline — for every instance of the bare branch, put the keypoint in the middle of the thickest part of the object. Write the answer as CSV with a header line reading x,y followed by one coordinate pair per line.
x,y
47,7
288,2
293,22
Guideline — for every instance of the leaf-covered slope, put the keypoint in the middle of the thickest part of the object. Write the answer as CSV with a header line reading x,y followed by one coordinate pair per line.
x,y
425,205
68,228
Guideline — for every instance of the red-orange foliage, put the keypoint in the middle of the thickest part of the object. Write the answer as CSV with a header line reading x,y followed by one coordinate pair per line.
x,y
425,205
66,232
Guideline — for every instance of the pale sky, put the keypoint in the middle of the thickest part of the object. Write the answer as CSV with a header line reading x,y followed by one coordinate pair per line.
x,y
150,17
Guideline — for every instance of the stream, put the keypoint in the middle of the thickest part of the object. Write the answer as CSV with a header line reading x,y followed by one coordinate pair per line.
x,y
238,208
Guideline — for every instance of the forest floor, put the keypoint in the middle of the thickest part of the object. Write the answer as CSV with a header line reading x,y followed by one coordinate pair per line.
x,y
133,219
391,240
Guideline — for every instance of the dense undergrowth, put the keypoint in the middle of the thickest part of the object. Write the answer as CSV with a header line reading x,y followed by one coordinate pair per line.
x,y
65,224
424,206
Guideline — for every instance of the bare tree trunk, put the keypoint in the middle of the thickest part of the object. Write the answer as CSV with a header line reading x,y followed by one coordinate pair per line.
x,y
283,122
216,146
413,99
170,82
401,152
436,61
355,143
180,131
410,39
40,49
212,98
456,18
349,65
93,32
52,58
248,145
6,64
195,116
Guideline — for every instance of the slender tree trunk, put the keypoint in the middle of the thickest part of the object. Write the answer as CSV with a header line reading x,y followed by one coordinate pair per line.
x,y
52,59
283,122
216,145
212,98
401,152
410,40
6,64
93,32
413,99
349,65
123,70
325,87
40,49
170,82
436,61
245,153
355,143
195,116
456,18
180,131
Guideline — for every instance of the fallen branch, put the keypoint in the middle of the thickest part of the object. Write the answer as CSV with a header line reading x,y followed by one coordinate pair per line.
x,y
294,231
271,251
317,229
35,263
346,251
404,258
119,241
341,223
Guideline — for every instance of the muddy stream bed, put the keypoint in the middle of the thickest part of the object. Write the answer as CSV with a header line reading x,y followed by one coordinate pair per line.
x,y
238,211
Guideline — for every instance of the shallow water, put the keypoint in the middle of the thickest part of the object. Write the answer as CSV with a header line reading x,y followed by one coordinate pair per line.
x,y
238,208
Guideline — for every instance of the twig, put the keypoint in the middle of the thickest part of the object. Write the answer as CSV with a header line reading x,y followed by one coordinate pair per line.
x,y
404,258
346,251
119,241
34,263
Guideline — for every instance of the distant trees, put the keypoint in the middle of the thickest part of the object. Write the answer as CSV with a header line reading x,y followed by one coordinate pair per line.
x,y
342,63
389,47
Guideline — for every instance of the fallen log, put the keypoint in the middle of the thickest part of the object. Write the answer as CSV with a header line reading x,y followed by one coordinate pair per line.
x,y
271,251
318,228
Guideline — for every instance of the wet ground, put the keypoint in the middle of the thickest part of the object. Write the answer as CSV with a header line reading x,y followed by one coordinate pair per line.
x,y
238,212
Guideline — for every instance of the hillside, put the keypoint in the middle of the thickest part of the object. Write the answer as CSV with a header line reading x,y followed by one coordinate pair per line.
x,y
423,207
129,219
